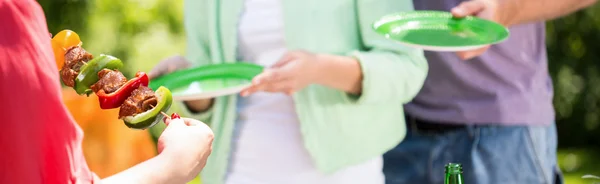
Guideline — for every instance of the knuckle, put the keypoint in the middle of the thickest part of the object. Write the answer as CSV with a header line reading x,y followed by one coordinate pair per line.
x,y
289,54
299,51
272,89
294,53
210,135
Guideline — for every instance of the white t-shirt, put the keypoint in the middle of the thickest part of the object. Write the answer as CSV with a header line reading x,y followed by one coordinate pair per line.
x,y
268,146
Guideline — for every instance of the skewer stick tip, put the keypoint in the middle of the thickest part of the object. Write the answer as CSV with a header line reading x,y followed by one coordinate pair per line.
x,y
163,113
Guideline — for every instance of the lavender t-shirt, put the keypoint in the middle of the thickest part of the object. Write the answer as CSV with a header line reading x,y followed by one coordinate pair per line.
x,y
507,85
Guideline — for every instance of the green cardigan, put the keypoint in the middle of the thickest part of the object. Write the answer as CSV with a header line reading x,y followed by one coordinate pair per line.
x,y
339,130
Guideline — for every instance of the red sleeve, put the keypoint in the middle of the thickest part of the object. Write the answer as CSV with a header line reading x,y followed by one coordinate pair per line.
x,y
40,141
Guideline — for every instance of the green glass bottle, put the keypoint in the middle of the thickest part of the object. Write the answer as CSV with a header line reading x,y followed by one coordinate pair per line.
x,y
453,174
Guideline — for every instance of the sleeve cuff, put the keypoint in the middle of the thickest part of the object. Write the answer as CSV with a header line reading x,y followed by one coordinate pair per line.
x,y
388,76
367,94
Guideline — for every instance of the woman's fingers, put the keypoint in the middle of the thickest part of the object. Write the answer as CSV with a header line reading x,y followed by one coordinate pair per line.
x,y
270,80
269,76
284,60
252,89
274,87
279,78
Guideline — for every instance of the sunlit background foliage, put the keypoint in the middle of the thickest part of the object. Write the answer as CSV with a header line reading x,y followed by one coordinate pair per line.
x,y
141,32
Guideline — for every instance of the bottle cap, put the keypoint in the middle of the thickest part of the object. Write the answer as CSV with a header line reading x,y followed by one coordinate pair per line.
x,y
454,168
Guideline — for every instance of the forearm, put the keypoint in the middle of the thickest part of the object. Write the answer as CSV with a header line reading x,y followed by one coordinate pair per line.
x,y
522,11
157,170
340,72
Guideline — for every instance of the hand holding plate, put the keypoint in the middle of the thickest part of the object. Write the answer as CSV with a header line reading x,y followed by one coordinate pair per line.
x,y
484,9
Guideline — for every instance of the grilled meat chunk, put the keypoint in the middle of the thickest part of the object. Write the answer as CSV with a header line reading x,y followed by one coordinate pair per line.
x,y
74,59
141,100
75,55
110,81
67,76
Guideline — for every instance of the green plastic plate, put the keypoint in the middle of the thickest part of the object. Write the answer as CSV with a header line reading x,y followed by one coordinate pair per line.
x,y
208,81
440,31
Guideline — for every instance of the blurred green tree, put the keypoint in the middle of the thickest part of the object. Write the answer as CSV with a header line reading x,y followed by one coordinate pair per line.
x,y
573,45
139,32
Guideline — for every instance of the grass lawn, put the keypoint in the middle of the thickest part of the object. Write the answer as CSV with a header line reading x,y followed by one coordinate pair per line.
x,y
195,181
576,163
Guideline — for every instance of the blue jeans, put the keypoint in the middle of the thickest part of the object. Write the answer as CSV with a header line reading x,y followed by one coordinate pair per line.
x,y
488,154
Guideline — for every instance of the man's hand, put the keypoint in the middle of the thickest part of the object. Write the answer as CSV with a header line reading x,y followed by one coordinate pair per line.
x,y
183,147
187,143
486,9
514,12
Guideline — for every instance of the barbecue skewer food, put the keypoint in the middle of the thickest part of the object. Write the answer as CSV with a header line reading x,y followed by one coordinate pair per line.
x,y
139,106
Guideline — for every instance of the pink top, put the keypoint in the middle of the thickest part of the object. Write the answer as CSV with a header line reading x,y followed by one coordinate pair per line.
x,y
40,141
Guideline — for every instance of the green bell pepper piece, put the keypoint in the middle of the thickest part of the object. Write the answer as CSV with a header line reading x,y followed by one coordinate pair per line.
x,y
151,117
88,75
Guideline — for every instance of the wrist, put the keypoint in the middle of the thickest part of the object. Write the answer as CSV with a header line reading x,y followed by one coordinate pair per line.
x,y
506,11
339,72
322,68
171,170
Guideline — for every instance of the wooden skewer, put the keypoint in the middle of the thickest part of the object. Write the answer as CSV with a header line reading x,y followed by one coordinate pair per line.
x,y
166,115
163,113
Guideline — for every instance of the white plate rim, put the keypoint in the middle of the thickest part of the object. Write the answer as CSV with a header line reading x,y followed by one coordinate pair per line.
x,y
211,94
441,48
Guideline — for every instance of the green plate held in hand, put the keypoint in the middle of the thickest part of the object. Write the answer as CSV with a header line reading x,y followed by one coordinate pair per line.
x,y
440,31
208,81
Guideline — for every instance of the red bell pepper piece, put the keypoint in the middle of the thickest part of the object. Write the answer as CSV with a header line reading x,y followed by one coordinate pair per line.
x,y
115,99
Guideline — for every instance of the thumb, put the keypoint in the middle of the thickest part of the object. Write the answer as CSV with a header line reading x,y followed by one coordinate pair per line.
x,y
468,8
155,72
168,65
284,60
